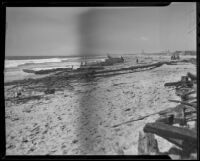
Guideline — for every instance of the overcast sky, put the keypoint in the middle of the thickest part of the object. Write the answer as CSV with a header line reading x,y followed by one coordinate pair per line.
x,y
74,31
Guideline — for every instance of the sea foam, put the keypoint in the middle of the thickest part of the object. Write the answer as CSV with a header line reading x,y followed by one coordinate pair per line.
x,y
16,63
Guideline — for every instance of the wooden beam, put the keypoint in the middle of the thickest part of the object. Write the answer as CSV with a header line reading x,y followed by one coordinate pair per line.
x,y
170,120
165,130
167,120
147,144
185,103
137,119
177,142
173,83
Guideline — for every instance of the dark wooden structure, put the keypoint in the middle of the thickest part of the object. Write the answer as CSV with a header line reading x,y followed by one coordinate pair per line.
x,y
183,136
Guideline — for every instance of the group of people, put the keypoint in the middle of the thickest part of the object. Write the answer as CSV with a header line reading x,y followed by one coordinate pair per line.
x,y
174,57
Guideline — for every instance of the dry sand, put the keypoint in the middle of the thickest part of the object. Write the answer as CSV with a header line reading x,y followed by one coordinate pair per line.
x,y
78,120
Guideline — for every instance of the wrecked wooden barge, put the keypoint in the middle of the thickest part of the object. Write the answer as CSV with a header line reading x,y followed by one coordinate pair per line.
x,y
85,72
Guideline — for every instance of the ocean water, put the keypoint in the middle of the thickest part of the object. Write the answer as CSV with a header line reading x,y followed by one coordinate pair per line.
x,y
13,69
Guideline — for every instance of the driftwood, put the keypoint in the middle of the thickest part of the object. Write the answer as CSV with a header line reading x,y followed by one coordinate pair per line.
x,y
163,112
47,71
173,83
177,115
173,111
183,82
167,120
24,99
187,147
168,131
168,110
179,83
185,103
133,67
191,115
171,119
184,91
177,142
140,118
184,138
119,73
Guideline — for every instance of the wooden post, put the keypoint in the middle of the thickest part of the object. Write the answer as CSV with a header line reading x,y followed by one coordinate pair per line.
x,y
165,130
173,83
147,144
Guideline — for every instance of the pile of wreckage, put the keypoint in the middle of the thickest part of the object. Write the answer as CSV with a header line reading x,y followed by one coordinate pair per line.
x,y
84,66
177,125
109,61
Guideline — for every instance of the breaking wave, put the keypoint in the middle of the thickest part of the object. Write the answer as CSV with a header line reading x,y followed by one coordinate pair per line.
x,y
17,63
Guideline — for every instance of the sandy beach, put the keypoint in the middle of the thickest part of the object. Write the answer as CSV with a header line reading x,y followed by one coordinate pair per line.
x,y
78,120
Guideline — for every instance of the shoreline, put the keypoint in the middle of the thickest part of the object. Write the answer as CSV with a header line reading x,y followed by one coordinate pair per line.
x,y
78,119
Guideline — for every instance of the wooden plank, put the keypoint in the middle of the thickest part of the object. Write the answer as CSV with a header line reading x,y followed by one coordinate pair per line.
x,y
167,111
185,103
167,120
184,92
177,142
186,146
24,99
165,130
173,83
137,119
172,120
190,92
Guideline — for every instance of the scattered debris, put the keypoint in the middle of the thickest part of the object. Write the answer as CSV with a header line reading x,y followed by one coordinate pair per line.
x,y
49,91
23,99
183,136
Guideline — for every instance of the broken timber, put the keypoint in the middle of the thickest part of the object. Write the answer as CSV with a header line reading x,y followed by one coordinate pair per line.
x,y
173,132
24,99
185,103
134,67
140,118
185,138
171,119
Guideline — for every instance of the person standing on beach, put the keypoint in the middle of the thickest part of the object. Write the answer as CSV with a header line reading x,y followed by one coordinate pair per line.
x,y
122,59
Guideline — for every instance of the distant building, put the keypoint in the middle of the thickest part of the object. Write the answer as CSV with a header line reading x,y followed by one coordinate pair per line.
x,y
189,52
